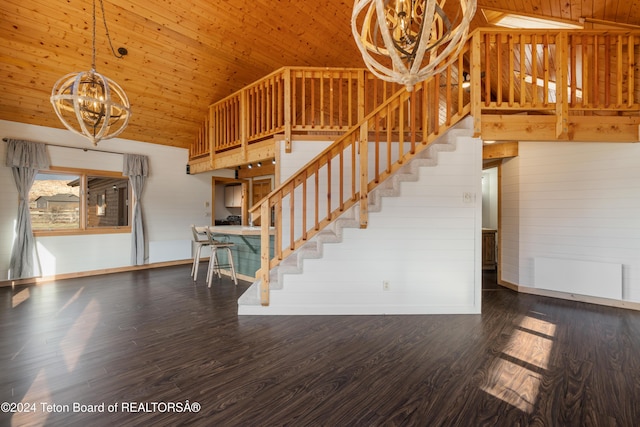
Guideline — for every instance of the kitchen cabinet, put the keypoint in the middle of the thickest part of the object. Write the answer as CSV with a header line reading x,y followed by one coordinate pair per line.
x,y
233,196
489,251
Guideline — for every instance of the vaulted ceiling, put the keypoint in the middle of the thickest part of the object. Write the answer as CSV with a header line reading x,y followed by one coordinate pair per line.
x,y
183,55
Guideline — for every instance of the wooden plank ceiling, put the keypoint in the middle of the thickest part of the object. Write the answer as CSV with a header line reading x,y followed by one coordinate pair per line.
x,y
186,54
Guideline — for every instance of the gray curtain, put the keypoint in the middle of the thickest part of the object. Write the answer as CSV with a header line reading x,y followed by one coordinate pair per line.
x,y
136,167
25,159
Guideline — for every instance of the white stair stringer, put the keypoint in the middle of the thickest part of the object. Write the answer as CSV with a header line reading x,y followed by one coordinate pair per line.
x,y
333,233
409,172
312,249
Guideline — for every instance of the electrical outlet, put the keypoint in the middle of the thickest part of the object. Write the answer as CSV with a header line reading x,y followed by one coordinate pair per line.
x,y
386,285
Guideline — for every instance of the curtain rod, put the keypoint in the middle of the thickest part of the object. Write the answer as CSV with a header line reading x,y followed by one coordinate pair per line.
x,y
76,148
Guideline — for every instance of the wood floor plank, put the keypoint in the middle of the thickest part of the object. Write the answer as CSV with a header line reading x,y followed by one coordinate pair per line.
x,y
138,338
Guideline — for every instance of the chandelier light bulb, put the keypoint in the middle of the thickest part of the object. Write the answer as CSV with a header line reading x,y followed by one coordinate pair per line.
x,y
408,41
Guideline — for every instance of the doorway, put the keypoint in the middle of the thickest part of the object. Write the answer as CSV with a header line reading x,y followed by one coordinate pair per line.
x,y
260,188
490,227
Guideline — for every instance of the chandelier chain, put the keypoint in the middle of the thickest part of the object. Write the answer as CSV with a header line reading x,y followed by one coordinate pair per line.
x,y
106,29
93,57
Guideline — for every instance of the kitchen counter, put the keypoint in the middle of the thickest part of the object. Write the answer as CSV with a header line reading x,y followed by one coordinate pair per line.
x,y
239,230
246,250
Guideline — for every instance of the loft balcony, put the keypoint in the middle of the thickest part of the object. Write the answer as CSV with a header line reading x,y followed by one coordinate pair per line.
x,y
525,85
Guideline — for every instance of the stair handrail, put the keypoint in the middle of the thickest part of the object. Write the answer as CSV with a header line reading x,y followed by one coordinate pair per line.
x,y
404,124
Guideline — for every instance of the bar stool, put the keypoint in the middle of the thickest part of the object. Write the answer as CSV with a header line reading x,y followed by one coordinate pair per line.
x,y
214,262
200,239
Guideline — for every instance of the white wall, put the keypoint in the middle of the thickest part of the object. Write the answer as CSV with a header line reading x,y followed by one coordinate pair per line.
x,y
172,200
574,202
426,243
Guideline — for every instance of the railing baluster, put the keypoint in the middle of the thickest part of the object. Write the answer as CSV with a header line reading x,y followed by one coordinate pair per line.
x,y
304,207
329,185
292,218
448,95
499,69
354,176
340,122
523,70
303,99
586,78
511,71
331,101
596,65
607,70
619,71
385,121
312,97
294,99
376,154
534,70
435,108
460,88
412,116
488,68
317,197
631,70
341,180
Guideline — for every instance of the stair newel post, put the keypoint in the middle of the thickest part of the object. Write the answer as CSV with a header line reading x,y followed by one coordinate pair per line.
x,y
265,260
363,149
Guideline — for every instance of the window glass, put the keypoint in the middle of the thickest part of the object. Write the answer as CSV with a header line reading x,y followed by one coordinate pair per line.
x,y
107,202
54,202
71,201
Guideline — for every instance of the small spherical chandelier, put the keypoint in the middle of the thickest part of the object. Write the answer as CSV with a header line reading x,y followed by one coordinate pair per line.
x,y
90,104
407,41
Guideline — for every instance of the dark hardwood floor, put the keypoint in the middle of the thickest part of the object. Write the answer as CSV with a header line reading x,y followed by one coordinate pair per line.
x,y
144,343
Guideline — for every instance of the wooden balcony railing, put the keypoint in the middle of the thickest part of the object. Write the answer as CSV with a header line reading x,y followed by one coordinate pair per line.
x,y
290,100
515,73
200,147
344,174
597,69
559,79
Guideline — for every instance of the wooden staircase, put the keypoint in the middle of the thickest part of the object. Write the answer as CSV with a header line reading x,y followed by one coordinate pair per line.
x,y
529,85
333,233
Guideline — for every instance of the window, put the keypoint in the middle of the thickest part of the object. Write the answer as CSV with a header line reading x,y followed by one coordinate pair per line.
x,y
512,20
71,201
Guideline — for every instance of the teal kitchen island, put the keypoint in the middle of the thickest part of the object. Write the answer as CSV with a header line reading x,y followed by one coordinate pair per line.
x,y
246,252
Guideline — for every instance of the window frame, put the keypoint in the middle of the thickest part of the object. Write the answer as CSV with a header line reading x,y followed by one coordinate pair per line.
x,y
83,174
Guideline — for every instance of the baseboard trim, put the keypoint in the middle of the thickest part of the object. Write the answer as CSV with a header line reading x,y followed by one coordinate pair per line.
x,y
571,297
46,279
41,280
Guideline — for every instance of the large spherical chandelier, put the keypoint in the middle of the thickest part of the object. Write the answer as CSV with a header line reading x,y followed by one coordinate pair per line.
x,y
407,41
90,104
